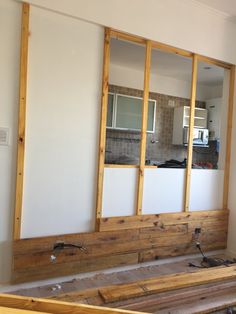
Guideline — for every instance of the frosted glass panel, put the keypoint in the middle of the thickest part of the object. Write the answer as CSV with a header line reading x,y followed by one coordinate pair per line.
x,y
163,190
206,189
119,192
129,113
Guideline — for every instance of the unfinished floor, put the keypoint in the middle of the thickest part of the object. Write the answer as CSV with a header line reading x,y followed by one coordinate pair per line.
x,y
201,299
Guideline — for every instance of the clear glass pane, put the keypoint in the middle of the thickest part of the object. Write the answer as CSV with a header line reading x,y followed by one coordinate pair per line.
x,y
124,118
170,87
209,144
210,118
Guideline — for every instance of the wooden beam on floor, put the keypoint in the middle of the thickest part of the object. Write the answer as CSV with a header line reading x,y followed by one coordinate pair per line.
x,y
53,307
166,283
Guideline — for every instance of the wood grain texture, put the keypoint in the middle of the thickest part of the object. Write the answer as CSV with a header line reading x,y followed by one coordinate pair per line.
x,y
166,283
142,157
145,221
229,137
190,134
53,306
150,238
103,123
21,119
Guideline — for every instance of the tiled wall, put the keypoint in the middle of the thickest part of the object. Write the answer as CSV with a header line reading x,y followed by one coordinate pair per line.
x,y
123,146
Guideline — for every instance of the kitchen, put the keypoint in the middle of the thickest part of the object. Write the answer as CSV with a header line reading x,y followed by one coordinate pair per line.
x,y
168,114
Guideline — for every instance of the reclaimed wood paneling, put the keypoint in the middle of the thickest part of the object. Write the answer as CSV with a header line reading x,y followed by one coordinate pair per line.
x,y
144,221
154,237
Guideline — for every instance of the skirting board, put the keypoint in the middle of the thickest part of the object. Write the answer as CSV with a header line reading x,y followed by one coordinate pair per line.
x,y
168,235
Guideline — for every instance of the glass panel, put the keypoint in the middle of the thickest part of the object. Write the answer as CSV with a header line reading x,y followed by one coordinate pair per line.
x,y
110,110
209,146
170,87
210,118
126,78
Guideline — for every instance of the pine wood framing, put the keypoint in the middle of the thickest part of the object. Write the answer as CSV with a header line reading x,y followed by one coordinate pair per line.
x,y
166,283
28,304
190,134
229,137
22,119
144,128
102,142
214,62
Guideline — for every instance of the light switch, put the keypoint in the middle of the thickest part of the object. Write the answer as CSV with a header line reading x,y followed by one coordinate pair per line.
x,y
4,136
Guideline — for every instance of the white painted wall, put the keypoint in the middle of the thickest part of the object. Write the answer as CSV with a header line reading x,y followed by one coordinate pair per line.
x,y
133,78
119,193
62,125
163,190
64,87
9,59
181,23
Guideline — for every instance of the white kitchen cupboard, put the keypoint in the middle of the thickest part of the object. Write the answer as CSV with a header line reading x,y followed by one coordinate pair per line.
x,y
181,121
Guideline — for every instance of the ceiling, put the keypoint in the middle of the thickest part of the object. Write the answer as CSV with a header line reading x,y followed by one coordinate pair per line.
x,y
131,55
226,6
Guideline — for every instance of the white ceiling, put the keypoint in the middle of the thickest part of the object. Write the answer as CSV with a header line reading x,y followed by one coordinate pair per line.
x,y
226,6
131,55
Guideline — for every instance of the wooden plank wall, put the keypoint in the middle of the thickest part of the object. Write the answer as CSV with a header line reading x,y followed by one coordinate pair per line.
x,y
124,241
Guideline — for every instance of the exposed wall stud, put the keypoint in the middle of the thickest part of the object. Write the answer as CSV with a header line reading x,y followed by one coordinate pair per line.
x,y
190,136
22,119
103,122
144,128
229,137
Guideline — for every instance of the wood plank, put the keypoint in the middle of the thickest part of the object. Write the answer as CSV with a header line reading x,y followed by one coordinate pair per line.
x,y
55,307
171,49
179,250
81,266
94,252
120,166
21,119
103,122
214,62
190,134
229,137
42,244
169,299
7,310
128,37
145,221
143,141
166,283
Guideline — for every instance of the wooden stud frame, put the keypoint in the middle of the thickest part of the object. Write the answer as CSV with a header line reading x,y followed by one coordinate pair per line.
x,y
103,122
142,166
101,158
144,128
22,119
191,126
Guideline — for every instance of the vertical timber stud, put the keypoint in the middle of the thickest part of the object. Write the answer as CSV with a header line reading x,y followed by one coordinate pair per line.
x,y
229,137
190,135
103,120
144,128
22,118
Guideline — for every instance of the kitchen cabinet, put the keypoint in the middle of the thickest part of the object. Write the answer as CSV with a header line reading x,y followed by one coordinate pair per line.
x,y
181,121
125,113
